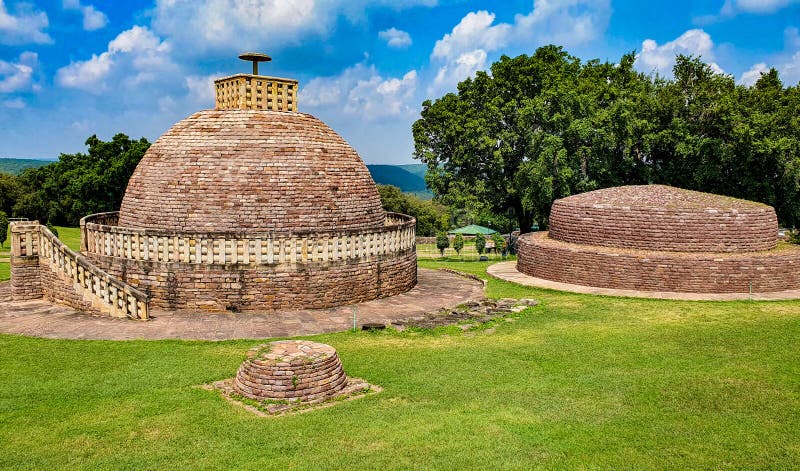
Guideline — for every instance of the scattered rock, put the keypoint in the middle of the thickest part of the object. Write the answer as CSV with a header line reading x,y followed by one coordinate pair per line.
x,y
468,314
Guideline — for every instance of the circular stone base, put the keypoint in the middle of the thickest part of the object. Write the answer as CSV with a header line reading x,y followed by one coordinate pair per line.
x,y
642,270
507,271
295,370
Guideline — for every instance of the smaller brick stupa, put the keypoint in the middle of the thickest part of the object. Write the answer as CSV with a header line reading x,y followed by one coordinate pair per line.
x,y
295,370
664,239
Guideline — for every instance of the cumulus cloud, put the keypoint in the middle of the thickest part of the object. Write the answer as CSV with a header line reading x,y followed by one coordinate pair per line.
x,y
395,38
25,26
222,24
661,58
18,76
753,74
761,7
93,18
137,53
731,8
465,49
787,62
361,91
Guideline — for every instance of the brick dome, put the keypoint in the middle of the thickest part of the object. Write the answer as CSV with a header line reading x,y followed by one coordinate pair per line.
x,y
246,170
658,217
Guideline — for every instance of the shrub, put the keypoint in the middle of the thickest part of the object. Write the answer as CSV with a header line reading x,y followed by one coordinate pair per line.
x,y
499,242
480,243
458,243
442,242
3,228
52,229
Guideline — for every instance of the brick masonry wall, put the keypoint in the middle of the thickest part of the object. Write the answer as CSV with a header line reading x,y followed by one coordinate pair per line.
x,y
180,286
542,257
59,288
26,279
648,217
246,171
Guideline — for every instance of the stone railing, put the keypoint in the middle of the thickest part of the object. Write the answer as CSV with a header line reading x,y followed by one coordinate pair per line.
x,y
32,241
101,236
256,92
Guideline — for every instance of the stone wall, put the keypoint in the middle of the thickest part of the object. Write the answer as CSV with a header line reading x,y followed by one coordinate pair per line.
x,y
666,230
774,270
655,217
182,286
26,279
43,267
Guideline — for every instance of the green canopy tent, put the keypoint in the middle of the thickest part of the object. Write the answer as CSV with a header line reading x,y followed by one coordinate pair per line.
x,y
473,229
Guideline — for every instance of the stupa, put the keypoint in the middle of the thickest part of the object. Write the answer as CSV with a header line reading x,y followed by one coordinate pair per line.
x,y
251,206
661,239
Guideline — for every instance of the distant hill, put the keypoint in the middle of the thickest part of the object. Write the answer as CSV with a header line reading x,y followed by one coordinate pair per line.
x,y
416,169
15,166
405,177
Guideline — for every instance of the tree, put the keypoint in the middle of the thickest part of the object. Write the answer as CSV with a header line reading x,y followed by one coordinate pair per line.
x,y
80,184
9,192
499,241
458,243
514,140
52,229
480,243
431,217
442,242
3,228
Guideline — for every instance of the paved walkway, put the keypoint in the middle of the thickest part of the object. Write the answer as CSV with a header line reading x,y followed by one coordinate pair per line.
x,y
435,289
508,271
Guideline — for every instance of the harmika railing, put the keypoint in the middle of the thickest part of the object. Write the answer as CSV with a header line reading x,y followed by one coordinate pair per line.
x,y
106,293
101,236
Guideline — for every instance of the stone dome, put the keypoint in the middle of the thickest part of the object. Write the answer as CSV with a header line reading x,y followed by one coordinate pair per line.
x,y
659,217
251,171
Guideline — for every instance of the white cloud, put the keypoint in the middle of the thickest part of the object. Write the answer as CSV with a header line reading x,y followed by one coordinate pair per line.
x,y
474,31
563,22
361,91
760,7
465,49
93,18
14,103
661,58
786,62
18,76
751,76
138,54
395,38
24,27
465,65
249,24
201,88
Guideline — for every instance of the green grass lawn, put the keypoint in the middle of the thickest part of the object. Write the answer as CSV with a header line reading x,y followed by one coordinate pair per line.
x,y
577,382
69,235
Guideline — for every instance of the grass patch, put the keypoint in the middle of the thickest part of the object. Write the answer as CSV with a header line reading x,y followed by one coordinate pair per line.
x,y
577,382
71,236
5,271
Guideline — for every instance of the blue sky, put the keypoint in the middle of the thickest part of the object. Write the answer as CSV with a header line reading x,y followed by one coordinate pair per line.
x,y
73,68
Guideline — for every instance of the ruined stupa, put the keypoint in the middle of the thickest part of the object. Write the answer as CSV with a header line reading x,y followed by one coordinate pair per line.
x,y
251,206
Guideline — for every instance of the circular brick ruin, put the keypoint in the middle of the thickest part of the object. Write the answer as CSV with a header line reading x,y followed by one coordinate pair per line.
x,y
293,370
252,210
659,238
251,171
659,217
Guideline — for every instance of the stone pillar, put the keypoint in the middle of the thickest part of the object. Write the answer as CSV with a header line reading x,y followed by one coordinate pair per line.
x,y
26,280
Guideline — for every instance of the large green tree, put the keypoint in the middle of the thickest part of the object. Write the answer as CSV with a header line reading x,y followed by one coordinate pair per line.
x,y
80,184
528,132
537,128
